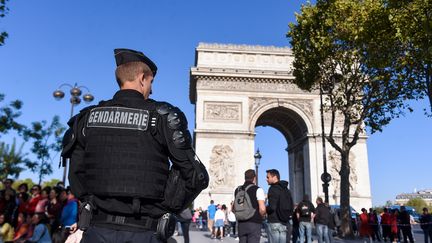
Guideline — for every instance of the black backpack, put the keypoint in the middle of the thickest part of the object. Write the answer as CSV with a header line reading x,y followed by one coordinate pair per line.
x,y
284,209
305,210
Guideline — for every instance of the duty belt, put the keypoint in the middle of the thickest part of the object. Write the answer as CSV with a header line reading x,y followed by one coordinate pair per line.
x,y
143,222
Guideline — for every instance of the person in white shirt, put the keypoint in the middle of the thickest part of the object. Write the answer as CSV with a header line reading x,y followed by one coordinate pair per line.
x,y
249,231
220,222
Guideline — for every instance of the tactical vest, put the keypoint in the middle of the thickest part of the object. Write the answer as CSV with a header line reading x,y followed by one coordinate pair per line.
x,y
122,159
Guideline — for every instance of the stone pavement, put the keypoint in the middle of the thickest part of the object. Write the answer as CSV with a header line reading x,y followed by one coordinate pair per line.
x,y
204,237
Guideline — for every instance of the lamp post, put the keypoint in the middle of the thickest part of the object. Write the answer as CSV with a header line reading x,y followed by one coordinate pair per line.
x,y
257,157
325,176
75,99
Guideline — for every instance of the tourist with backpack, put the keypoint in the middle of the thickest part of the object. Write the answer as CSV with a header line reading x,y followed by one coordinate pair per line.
x,y
279,209
249,209
305,214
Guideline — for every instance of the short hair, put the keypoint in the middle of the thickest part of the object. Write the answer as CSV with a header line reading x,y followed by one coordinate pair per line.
x,y
129,72
319,200
250,175
23,185
274,172
211,202
9,180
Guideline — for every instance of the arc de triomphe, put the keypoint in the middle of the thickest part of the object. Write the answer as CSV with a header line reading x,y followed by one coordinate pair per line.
x,y
236,88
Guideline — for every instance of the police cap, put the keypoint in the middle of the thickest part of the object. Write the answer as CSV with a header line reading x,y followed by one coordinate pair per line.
x,y
123,56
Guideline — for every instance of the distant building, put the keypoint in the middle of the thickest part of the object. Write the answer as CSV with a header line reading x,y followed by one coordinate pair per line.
x,y
423,194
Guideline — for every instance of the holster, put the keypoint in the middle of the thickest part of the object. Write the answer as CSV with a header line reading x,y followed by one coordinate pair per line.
x,y
85,215
166,226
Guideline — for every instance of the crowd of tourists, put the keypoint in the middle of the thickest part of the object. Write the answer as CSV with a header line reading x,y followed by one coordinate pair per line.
x,y
394,225
390,225
36,214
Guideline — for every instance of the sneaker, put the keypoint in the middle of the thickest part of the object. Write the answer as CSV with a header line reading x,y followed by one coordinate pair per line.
x,y
236,238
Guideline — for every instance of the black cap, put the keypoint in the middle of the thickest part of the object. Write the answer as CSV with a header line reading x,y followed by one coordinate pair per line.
x,y
123,56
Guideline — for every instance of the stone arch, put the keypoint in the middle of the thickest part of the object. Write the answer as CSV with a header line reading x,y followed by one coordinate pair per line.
x,y
238,87
276,104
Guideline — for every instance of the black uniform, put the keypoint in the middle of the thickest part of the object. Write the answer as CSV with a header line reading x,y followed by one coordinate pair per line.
x,y
120,159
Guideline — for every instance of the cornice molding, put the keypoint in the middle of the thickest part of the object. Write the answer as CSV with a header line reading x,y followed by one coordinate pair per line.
x,y
243,48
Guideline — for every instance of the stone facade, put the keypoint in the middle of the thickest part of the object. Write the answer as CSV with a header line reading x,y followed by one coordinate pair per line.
x,y
236,88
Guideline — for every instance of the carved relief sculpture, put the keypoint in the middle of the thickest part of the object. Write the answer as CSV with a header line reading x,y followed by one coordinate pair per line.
x,y
335,167
222,111
221,167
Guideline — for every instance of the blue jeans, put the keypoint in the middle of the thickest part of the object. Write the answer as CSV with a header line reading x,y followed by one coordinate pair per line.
x,y
277,233
322,232
305,229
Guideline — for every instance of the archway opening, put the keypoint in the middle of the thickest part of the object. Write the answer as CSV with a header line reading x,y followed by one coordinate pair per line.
x,y
281,138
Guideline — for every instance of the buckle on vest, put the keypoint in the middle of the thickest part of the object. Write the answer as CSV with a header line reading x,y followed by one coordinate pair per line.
x,y
116,219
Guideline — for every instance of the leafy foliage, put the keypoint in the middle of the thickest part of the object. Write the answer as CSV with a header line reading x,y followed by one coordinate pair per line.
x,y
52,183
350,50
3,12
412,20
12,160
8,115
46,138
417,203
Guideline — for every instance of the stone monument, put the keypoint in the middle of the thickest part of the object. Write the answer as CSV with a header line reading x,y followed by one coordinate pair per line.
x,y
236,88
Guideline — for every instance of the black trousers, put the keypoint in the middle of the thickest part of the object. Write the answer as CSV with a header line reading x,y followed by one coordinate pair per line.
x,y
97,234
407,234
249,232
185,230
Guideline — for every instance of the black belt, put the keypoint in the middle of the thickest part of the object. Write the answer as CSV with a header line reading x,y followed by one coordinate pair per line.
x,y
144,222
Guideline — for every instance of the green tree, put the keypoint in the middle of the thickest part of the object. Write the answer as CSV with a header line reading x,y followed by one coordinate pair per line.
x,y
52,183
413,21
12,160
8,115
3,12
46,138
388,203
349,49
28,181
418,203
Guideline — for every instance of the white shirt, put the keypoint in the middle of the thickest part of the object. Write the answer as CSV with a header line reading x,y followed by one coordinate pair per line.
x,y
260,195
219,215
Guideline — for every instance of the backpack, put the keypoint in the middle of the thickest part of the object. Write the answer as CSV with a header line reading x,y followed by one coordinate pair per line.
x,y
305,210
243,204
284,208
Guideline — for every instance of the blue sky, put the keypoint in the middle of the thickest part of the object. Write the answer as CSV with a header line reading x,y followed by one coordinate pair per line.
x,y
55,42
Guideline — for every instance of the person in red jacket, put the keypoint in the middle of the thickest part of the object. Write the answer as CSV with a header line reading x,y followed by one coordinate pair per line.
x,y
36,197
385,224
364,225
393,224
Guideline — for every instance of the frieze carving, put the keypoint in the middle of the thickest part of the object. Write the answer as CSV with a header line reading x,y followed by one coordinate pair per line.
x,y
303,105
232,47
335,167
222,111
222,84
256,102
221,167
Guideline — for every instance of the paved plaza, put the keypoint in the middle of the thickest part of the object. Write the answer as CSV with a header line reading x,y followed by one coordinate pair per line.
x,y
204,236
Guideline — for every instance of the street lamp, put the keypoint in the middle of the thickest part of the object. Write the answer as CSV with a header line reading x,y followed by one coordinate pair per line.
x,y
325,176
75,99
257,157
